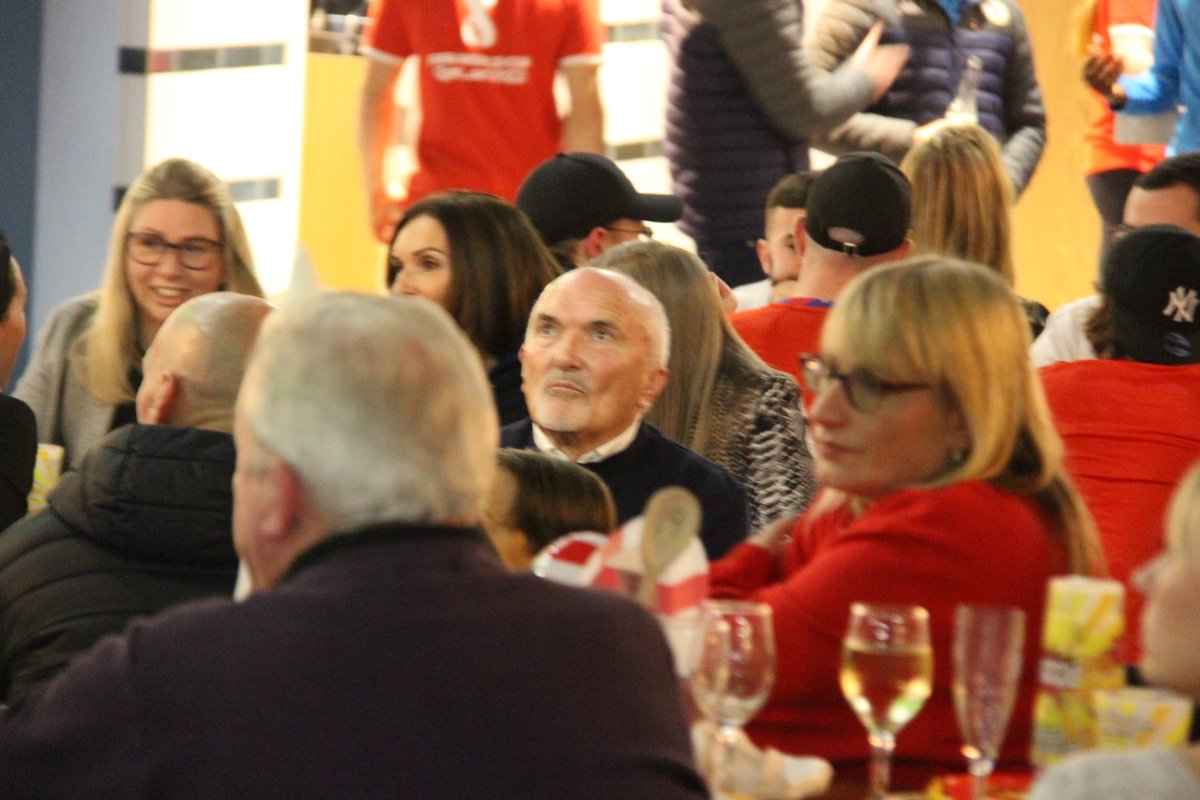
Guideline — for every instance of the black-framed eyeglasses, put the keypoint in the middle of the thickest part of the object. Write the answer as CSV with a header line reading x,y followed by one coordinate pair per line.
x,y
644,232
863,390
149,249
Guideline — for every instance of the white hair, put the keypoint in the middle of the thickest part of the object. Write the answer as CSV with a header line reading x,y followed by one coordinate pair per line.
x,y
379,404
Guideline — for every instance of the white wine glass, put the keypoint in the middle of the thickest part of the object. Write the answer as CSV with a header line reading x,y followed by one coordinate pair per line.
x,y
988,642
734,672
887,670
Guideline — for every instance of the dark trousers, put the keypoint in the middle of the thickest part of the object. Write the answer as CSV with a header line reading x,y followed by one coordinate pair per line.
x,y
1109,190
735,262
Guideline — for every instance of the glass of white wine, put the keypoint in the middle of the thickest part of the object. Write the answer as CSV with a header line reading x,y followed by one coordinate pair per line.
x,y
988,643
887,669
735,669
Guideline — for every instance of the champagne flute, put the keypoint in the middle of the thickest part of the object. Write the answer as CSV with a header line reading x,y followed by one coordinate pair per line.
x,y
734,672
987,668
887,670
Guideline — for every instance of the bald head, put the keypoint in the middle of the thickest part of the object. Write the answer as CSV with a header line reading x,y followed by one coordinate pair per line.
x,y
588,284
194,367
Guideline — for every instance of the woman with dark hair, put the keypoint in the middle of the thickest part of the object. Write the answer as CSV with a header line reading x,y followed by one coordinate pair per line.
x,y
480,258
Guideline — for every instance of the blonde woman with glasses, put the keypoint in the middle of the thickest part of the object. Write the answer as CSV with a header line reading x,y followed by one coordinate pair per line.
x,y
176,235
942,483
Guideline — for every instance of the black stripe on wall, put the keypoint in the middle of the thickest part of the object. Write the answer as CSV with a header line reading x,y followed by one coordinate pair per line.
x,y
139,61
241,191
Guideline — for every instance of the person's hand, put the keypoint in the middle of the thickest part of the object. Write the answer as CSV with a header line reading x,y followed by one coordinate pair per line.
x,y
924,133
881,63
773,537
385,214
1101,70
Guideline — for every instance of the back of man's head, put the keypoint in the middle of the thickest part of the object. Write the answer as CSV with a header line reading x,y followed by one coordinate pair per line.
x,y
858,214
379,405
193,369
1150,284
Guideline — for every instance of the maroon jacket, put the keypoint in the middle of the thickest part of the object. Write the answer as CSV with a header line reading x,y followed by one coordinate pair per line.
x,y
397,662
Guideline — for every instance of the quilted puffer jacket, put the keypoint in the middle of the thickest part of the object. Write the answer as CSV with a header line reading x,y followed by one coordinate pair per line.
x,y
1009,98
144,523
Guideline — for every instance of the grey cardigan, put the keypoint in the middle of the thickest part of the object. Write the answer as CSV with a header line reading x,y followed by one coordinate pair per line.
x,y
66,413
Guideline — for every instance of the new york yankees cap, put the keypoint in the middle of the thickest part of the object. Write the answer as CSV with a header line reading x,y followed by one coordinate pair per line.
x,y
1152,276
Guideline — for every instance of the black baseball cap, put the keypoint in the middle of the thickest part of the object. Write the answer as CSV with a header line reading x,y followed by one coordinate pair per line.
x,y
1152,278
860,205
568,195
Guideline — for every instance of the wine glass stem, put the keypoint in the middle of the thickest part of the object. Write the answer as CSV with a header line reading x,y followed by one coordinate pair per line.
x,y
724,740
882,745
980,769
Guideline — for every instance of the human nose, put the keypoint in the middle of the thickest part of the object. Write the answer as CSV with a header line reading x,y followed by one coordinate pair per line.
x,y
829,405
565,352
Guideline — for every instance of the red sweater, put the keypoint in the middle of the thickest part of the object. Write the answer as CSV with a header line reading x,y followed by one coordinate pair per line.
x,y
1130,430
781,332
965,543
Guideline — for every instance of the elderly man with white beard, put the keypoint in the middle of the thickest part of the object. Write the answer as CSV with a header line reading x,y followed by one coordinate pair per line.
x,y
593,362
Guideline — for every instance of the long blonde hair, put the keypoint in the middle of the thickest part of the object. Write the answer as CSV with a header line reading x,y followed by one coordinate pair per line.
x,y
962,197
109,349
959,327
711,368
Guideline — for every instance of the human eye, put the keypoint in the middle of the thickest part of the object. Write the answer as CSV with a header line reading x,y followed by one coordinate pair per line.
x,y
195,247
866,385
430,264
149,241
603,335
546,328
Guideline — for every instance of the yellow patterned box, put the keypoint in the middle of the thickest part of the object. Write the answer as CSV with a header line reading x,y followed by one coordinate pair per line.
x,y
46,472
1139,716
1085,620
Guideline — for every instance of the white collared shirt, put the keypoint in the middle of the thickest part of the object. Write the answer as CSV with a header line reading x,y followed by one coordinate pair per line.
x,y
615,445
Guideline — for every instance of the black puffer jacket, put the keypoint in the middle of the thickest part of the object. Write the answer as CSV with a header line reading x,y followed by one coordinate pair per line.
x,y
142,525
741,103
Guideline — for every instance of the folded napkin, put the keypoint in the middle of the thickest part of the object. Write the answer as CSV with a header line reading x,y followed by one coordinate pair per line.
x,y
766,774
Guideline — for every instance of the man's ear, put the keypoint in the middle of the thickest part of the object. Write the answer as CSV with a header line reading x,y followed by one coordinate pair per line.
x,y
764,256
656,381
595,243
162,399
278,521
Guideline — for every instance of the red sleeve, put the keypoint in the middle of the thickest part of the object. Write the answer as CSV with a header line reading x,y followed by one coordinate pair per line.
x,y
388,29
1131,12
584,33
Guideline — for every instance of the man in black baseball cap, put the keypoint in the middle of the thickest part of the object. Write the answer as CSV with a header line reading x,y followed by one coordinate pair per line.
x,y
858,214
582,204
1150,290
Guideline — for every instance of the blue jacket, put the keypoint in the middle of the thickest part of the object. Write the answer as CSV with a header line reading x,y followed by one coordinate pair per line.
x,y
1175,77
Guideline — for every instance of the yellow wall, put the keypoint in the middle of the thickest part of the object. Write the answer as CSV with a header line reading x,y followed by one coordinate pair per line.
x,y
1057,228
333,206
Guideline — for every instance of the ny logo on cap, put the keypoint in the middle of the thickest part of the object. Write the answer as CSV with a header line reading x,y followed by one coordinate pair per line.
x,y
1183,302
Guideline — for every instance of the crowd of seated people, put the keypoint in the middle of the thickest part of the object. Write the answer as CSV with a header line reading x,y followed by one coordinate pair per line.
x,y
895,444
